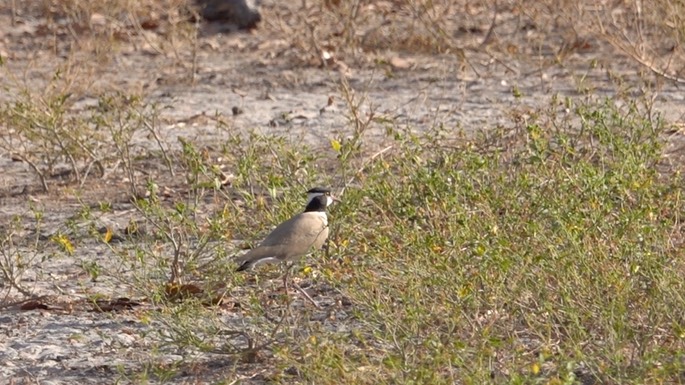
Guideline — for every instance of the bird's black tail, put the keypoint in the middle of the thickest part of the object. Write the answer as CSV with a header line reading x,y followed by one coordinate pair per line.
x,y
245,266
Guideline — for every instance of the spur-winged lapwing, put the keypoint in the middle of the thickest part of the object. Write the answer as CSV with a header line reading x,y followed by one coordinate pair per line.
x,y
298,236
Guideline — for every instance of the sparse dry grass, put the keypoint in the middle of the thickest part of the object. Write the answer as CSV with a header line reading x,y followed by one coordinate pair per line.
x,y
542,33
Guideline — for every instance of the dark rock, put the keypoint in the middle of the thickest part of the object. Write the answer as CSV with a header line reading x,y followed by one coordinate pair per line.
x,y
244,14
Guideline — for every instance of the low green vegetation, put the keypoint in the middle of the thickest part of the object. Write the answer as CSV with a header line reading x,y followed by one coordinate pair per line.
x,y
548,252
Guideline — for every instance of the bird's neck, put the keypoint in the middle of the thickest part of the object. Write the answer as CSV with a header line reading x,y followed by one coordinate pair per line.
x,y
311,196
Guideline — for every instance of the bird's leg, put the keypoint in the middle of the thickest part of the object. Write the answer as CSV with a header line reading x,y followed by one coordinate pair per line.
x,y
285,278
288,267
327,248
301,290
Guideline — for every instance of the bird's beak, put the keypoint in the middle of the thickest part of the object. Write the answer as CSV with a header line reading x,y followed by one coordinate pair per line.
x,y
335,199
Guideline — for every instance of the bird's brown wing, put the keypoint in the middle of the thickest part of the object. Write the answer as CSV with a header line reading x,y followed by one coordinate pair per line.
x,y
293,238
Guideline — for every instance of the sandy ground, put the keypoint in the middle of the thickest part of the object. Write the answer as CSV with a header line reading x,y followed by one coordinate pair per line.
x,y
68,342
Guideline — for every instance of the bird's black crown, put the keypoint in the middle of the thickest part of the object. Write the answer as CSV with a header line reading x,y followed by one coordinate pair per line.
x,y
319,190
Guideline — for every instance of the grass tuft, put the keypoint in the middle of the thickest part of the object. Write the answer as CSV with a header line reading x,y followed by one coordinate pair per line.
x,y
551,257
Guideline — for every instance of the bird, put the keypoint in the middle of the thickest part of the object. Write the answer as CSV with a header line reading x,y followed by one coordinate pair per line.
x,y
300,235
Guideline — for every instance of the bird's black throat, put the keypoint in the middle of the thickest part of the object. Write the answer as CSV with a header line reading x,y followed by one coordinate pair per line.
x,y
318,203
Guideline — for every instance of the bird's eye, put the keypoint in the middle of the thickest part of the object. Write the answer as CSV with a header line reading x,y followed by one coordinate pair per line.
x,y
328,193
